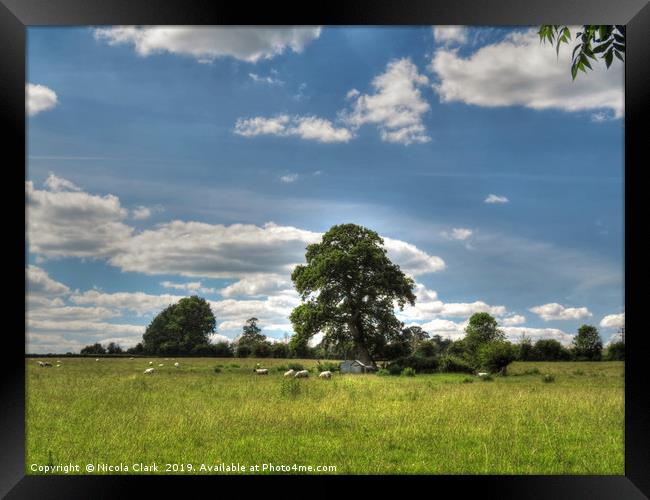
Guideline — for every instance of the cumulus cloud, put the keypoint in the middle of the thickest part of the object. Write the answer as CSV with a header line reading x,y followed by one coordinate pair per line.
x,y
192,287
208,43
458,233
58,184
64,223
515,319
554,311
289,178
397,106
305,127
269,80
514,334
613,321
39,98
138,302
520,71
493,198
257,285
142,212
448,35
39,283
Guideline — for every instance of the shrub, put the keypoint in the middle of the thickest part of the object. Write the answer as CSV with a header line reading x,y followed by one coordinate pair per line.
x,y
420,364
408,372
217,369
548,378
244,351
394,369
383,372
487,378
295,366
327,366
615,352
468,380
454,364
496,356
281,368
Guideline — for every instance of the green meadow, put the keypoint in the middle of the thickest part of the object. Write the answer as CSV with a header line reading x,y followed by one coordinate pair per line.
x,y
109,412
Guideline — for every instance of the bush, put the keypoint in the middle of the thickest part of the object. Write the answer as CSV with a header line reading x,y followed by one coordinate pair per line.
x,y
496,356
615,352
382,372
408,372
418,363
327,366
394,369
244,351
487,378
217,369
281,368
296,366
454,364
468,380
548,378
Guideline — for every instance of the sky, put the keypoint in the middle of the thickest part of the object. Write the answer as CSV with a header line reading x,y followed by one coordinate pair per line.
x,y
170,161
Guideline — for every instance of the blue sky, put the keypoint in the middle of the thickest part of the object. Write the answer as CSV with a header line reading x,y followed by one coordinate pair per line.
x,y
169,161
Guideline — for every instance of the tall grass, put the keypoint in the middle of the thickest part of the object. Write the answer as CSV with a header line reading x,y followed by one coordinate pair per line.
x,y
109,412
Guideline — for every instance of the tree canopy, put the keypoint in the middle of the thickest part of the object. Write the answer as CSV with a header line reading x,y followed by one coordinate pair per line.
x,y
587,343
350,288
594,41
180,327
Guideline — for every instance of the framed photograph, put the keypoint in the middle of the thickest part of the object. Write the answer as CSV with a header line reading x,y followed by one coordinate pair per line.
x,y
379,241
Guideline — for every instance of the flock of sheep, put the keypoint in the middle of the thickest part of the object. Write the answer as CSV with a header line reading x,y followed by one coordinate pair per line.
x,y
258,371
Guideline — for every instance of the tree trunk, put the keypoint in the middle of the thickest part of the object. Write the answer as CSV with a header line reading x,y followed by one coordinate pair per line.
x,y
363,354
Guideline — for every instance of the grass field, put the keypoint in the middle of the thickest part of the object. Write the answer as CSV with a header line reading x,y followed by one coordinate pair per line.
x,y
108,412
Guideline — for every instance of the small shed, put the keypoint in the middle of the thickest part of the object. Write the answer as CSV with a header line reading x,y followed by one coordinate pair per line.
x,y
355,366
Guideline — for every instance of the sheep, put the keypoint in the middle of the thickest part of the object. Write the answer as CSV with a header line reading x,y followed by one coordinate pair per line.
x,y
176,364
96,359
131,357
149,371
483,374
290,373
302,374
44,364
40,363
160,364
327,374
150,363
261,371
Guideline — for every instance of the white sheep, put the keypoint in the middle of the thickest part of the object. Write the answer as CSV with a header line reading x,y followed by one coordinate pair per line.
x,y
326,374
261,371
148,371
150,363
176,364
302,374
40,363
96,359
482,374
160,364
290,373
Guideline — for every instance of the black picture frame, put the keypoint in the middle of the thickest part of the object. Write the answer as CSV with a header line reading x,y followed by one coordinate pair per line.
x,y
16,15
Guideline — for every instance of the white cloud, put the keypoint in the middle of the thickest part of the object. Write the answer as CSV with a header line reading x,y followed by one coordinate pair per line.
x,y
142,212
39,98
521,71
257,285
448,35
39,283
397,106
208,43
289,178
58,184
73,224
514,333
304,127
554,311
515,319
192,287
139,302
458,233
493,198
411,259
269,80
613,321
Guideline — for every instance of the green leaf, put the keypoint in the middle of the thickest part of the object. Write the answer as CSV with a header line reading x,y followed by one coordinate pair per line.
x,y
619,56
608,58
619,47
601,48
574,71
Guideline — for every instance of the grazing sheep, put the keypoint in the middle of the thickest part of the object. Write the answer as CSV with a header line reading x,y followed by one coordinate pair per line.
x,y
148,371
483,374
44,364
290,373
176,364
40,363
302,374
160,364
261,371
327,374
131,357
96,359
150,363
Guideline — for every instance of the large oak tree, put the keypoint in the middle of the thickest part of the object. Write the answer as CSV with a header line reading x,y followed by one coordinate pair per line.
x,y
350,289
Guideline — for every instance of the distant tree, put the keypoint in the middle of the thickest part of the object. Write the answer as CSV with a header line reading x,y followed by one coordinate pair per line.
x,y
616,351
223,350
262,349
349,288
428,348
594,41
203,350
251,334
113,348
243,350
459,349
587,344
481,329
549,350
180,327
525,351
280,350
93,349
495,356
414,336
136,349
299,347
